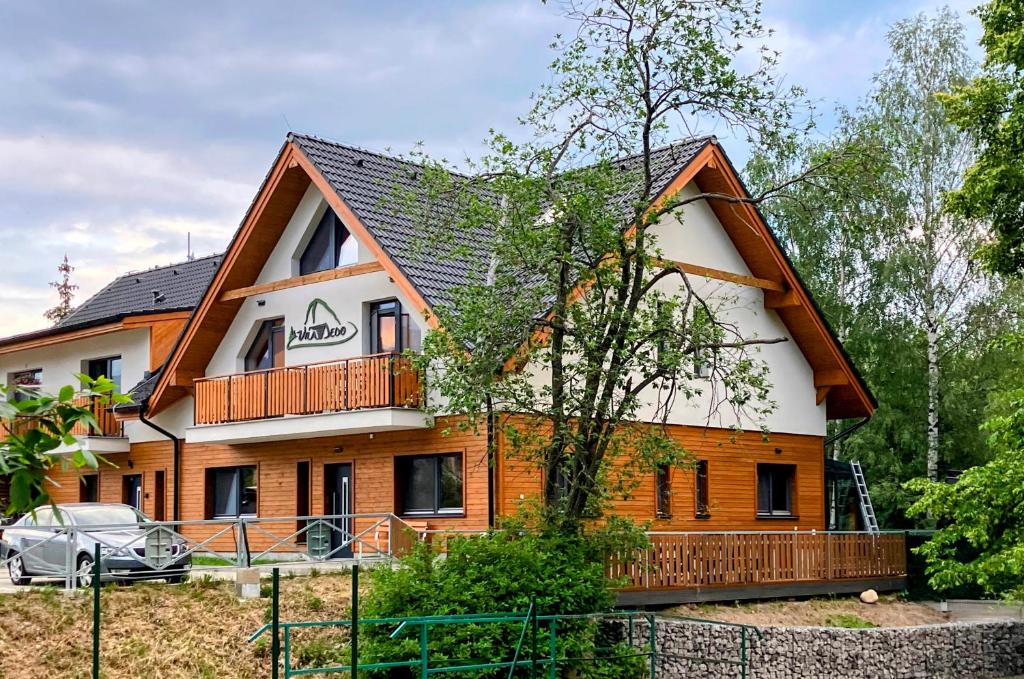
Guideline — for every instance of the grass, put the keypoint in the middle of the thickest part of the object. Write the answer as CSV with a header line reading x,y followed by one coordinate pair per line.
x,y
849,621
845,612
198,629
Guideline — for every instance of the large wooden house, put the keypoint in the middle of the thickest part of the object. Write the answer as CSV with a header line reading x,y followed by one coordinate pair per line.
x,y
277,396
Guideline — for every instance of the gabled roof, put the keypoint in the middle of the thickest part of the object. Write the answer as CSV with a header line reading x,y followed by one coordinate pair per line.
x,y
366,181
175,287
357,185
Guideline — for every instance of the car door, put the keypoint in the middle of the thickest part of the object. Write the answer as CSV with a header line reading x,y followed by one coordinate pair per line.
x,y
55,549
34,532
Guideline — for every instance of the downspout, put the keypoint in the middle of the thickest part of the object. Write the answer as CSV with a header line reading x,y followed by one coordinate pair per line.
x,y
176,445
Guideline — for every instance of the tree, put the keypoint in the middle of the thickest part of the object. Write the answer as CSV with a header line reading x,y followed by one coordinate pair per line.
x,y
65,293
571,328
35,425
982,514
881,279
991,109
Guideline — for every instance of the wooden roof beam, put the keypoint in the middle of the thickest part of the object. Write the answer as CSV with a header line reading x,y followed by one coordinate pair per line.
x,y
830,378
781,300
308,279
718,274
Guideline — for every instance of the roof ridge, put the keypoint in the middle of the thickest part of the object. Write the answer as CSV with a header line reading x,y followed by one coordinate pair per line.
x,y
376,154
185,262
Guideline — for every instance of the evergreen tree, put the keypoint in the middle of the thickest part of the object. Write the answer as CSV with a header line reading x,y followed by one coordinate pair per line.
x,y
65,293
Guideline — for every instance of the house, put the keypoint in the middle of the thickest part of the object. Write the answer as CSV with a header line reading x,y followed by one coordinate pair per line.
x,y
124,332
283,396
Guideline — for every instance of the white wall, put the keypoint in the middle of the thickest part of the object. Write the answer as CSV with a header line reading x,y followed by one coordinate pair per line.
x,y
61,362
348,297
696,237
175,419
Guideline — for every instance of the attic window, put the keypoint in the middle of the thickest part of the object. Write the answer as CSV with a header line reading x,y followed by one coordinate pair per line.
x,y
331,246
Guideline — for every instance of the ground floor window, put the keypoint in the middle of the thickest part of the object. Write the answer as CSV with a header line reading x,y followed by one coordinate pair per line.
x,y
663,491
429,484
231,492
775,489
702,493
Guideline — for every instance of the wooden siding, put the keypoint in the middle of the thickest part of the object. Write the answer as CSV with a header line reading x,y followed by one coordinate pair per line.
x,y
146,459
732,482
373,474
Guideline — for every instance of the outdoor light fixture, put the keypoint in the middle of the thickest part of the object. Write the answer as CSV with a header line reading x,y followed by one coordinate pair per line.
x,y
778,451
261,302
339,449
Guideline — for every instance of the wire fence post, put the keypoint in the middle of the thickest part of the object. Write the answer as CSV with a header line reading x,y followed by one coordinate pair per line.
x,y
533,636
355,620
553,648
69,560
96,613
743,653
652,635
275,622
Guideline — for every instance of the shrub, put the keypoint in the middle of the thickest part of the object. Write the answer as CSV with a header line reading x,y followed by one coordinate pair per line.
x,y
499,572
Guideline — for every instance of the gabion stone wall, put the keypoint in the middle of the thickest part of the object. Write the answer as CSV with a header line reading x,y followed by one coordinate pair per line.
x,y
973,650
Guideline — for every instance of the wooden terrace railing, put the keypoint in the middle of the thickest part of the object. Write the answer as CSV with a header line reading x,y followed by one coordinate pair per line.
x,y
108,424
377,381
692,560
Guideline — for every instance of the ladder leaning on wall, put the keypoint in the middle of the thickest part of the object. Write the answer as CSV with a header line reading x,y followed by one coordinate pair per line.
x,y
867,510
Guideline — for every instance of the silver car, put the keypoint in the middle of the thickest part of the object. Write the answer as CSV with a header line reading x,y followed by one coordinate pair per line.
x,y
132,547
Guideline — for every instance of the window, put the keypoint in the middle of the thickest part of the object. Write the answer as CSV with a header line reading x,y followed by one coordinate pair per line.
x,y
429,484
663,488
267,350
384,335
89,491
701,491
26,384
105,367
230,492
331,246
775,489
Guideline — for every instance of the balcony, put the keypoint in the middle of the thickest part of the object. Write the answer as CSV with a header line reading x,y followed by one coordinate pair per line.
x,y
108,438
357,395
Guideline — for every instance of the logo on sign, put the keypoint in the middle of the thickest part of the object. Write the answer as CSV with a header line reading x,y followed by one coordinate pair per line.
x,y
322,328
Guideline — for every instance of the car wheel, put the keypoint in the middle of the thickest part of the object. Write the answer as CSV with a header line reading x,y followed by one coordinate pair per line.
x,y
84,573
16,569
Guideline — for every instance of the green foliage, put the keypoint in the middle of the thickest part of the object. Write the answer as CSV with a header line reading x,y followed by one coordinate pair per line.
x,y
982,514
849,621
991,109
36,425
499,572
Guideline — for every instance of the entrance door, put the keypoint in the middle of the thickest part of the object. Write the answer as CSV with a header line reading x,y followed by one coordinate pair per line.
x,y
159,496
338,500
131,490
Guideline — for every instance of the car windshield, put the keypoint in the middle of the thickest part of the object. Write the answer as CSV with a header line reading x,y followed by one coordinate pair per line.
x,y
105,516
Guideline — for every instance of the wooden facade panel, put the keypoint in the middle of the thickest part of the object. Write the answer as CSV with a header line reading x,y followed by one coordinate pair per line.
x,y
732,482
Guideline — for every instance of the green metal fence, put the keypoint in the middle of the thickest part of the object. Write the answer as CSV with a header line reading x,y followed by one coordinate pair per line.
x,y
536,651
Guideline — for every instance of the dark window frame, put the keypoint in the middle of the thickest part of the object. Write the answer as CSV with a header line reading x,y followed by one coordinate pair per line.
x,y
701,490
388,308
271,336
403,462
329,238
771,477
663,491
21,390
210,487
103,367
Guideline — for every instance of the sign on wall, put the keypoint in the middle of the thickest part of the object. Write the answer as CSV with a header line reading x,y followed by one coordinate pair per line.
x,y
322,328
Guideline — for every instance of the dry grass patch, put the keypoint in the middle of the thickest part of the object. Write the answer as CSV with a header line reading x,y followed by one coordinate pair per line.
x,y
154,630
890,611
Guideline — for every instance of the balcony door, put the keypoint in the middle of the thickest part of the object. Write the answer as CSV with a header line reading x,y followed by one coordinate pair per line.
x,y
267,349
338,501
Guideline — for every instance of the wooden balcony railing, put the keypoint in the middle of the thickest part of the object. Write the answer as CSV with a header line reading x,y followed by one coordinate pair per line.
x,y
691,560
378,381
108,424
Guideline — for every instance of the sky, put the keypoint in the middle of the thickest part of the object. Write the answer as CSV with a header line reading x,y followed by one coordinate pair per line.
x,y
127,125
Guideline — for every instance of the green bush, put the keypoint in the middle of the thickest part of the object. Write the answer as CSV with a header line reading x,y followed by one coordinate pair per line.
x,y
499,572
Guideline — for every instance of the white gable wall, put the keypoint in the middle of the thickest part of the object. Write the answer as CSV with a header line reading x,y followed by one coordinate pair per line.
x,y
347,297
696,237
